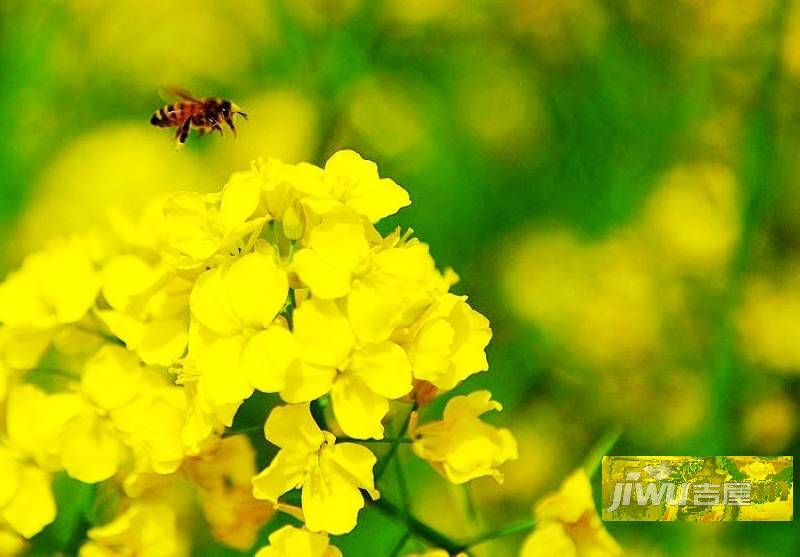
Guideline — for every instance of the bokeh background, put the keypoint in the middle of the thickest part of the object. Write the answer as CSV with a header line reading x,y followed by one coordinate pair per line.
x,y
616,182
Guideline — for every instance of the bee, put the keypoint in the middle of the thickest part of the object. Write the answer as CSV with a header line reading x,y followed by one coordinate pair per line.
x,y
203,114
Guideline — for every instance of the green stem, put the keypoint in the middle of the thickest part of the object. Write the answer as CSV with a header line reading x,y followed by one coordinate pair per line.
x,y
417,528
400,544
523,526
381,467
243,430
594,458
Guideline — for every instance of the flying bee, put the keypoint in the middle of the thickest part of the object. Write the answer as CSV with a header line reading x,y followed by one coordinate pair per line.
x,y
204,114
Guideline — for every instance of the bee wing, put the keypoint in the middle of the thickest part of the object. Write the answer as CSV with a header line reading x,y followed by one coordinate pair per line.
x,y
170,92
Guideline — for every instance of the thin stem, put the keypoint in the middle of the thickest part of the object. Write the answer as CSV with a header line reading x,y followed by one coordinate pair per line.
x,y
594,457
417,528
381,467
523,526
290,305
400,544
401,481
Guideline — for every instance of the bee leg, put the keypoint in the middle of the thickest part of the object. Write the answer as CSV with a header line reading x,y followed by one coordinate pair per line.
x,y
218,128
229,121
183,131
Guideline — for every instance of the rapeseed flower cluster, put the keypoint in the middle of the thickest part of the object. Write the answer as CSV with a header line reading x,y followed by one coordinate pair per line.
x,y
125,357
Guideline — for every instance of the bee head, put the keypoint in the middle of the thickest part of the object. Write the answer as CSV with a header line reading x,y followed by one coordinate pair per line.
x,y
227,110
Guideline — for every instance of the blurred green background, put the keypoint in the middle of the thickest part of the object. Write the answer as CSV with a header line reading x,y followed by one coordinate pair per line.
x,y
614,180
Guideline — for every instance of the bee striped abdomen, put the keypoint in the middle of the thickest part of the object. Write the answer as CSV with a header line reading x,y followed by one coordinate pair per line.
x,y
169,115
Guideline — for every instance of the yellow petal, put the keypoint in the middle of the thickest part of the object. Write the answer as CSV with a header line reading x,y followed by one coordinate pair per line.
x,y
284,473
111,377
306,382
91,451
358,410
570,502
210,305
325,280
257,288
267,357
33,507
240,198
223,377
163,342
549,540
373,314
384,368
341,239
354,462
294,542
292,427
355,181
124,276
330,502
323,333
11,472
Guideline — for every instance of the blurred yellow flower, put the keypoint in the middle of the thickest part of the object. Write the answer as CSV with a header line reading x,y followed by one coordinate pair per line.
x,y
33,423
283,124
223,477
11,544
295,542
54,286
499,104
110,171
768,327
460,446
108,40
770,424
600,299
562,29
693,217
385,115
329,474
149,308
143,529
567,524
121,404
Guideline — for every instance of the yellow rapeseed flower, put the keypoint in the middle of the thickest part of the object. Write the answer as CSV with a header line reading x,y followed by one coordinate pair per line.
x,y
460,446
27,458
322,355
121,405
223,477
149,308
448,342
329,474
567,524
295,542
143,529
